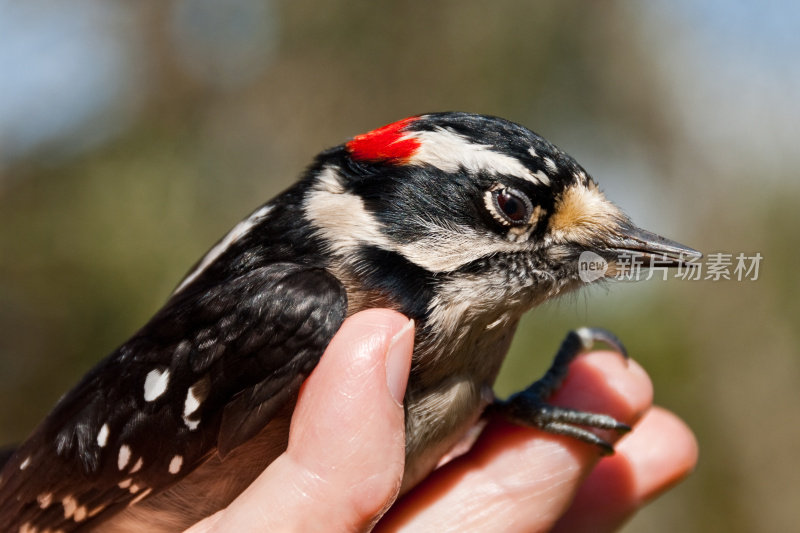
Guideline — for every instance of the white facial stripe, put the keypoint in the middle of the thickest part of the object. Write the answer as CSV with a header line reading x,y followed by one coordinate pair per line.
x,y
447,150
238,231
346,224
343,221
447,250
330,180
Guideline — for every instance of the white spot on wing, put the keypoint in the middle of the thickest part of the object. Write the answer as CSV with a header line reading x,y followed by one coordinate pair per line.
x,y
80,514
155,384
124,456
25,463
175,464
194,397
102,436
44,500
550,164
191,404
238,231
70,506
137,466
125,483
140,497
448,151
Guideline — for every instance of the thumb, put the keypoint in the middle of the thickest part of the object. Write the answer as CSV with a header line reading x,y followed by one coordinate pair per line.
x,y
344,463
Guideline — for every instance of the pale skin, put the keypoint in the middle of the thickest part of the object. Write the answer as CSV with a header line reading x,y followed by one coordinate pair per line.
x,y
344,463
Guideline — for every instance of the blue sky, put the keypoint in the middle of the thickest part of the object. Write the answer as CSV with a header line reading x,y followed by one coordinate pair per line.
x,y
735,76
62,67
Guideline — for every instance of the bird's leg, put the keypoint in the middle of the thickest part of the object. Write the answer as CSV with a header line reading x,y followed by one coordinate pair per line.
x,y
530,407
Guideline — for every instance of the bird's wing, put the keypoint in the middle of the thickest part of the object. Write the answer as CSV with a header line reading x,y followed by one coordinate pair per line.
x,y
204,375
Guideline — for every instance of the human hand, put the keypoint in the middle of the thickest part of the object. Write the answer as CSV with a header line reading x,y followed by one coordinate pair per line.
x,y
344,463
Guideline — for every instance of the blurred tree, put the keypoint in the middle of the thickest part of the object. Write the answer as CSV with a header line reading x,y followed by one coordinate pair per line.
x,y
91,244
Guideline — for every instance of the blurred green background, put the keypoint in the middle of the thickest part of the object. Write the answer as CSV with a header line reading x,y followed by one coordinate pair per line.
x,y
134,135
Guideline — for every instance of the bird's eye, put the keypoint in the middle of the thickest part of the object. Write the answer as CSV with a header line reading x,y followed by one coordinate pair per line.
x,y
513,205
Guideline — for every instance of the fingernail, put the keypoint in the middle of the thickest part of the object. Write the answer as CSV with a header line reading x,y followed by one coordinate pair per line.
x,y
398,361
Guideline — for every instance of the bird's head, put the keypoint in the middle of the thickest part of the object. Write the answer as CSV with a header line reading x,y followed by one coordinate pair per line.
x,y
481,208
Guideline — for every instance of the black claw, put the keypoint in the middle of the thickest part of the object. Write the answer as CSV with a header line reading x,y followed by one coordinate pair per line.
x,y
527,410
622,428
605,448
578,433
589,336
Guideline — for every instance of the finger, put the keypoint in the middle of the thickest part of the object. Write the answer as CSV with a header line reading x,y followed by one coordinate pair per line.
x,y
522,479
345,459
659,453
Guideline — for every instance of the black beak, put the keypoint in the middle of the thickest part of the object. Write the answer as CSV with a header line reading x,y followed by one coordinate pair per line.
x,y
636,242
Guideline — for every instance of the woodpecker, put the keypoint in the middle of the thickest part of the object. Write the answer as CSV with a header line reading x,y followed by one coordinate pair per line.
x,y
460,221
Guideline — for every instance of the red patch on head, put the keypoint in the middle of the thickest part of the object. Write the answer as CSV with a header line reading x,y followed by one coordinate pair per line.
x,y
385,144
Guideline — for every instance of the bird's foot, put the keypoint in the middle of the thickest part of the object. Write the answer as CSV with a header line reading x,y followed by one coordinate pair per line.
x,y
530,407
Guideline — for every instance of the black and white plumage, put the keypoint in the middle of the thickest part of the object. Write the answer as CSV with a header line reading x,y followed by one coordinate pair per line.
x,y
462,222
